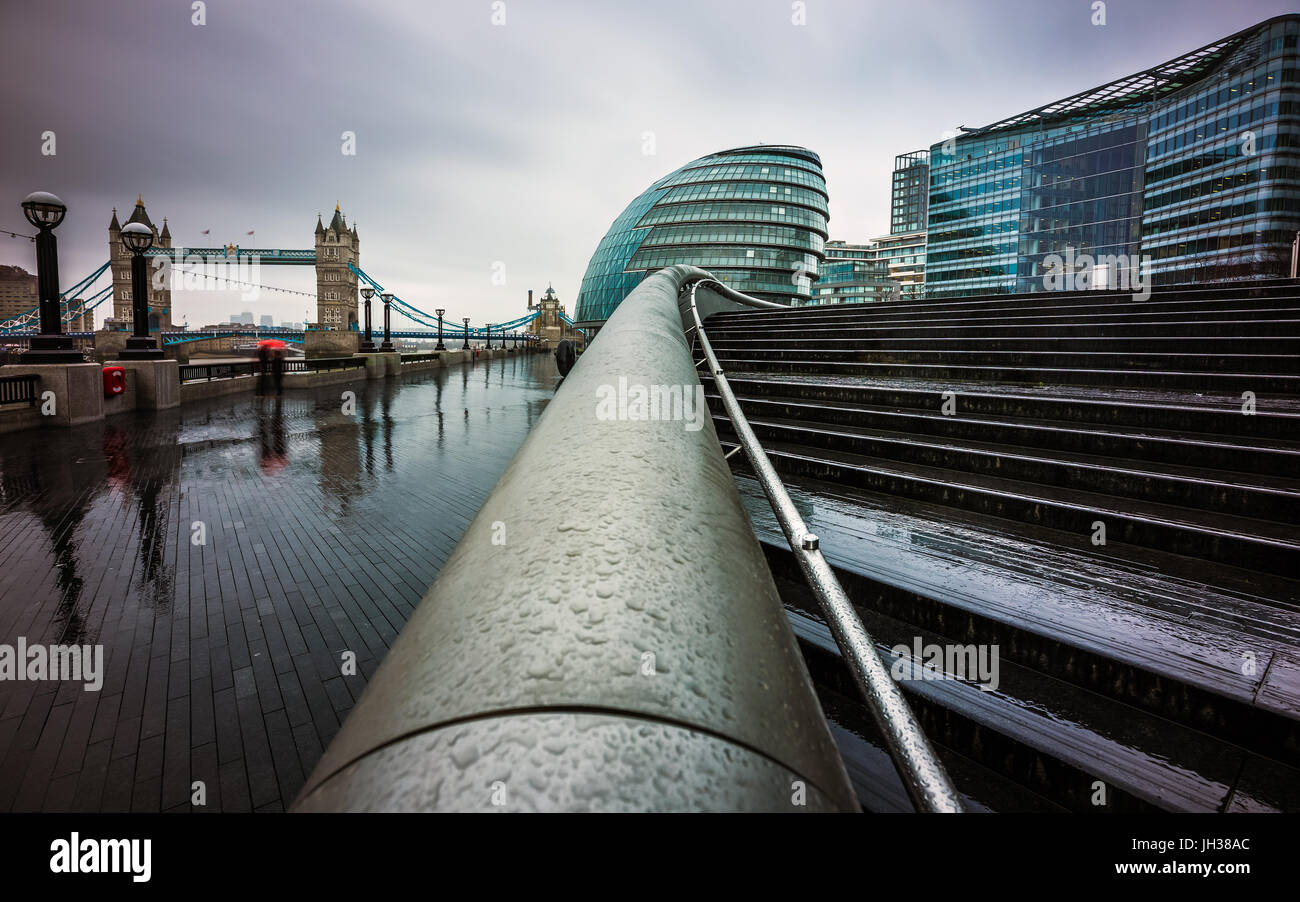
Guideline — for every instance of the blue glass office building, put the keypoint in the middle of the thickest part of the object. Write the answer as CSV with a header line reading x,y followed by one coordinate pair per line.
x,y
753,216
1195,162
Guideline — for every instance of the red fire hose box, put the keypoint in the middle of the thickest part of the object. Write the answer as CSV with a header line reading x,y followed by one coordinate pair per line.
x,y
114,381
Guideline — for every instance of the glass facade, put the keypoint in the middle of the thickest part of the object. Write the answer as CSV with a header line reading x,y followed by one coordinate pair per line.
x,y
851,274
903,255
754,216
1194,164
909,192
890,268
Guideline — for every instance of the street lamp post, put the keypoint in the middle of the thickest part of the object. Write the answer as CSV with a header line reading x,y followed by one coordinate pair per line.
x,y
368,343
440,346
138,238
489,336
45,211
388,341
466,347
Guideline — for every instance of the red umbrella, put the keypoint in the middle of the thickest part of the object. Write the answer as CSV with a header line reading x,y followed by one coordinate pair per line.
x,y
271,343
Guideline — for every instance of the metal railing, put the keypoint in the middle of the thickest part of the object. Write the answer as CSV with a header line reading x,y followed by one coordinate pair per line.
x,y
923,775
206,372
323,364
606,635
19,389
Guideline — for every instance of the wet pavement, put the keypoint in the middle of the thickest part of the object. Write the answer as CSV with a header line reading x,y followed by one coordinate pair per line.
x,y
228,556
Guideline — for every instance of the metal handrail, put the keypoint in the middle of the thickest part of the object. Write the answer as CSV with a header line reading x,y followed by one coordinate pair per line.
x,y
574,678
323,364
923,775
190,372
19,389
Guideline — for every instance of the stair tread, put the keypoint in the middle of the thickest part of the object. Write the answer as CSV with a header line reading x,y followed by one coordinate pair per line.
x,y
1278,534
1084,394
1154,611
1040,301
1163,763
1268,326
866,318
1229,479
1031,374
819,342
875,778
721,346
1144,433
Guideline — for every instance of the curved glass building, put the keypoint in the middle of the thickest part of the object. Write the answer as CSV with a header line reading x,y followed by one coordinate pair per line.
x,y
753,216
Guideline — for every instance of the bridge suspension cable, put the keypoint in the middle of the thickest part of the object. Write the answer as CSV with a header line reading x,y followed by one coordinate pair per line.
x,y
239,284
21,321
88,304
419,316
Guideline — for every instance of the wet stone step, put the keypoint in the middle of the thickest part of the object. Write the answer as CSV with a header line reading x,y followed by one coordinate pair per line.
x,y
1209,364
1256,496
1237,541
1235,296
1275,348
1274,418
889,315
1032,329
875,778
1165,634
1051,738
1149,379
1242,454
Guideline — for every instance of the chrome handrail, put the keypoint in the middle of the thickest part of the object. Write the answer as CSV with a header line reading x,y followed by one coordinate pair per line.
x,y
923,776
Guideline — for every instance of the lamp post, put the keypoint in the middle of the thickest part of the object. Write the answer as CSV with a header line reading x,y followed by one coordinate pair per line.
x,y
45,211
388,341
367,343
489,336
138,238
440,346
466,347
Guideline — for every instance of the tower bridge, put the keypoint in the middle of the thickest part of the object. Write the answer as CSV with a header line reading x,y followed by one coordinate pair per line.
x,y
335,255
335,247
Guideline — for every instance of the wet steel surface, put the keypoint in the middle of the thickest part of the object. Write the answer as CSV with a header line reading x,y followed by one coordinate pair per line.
x,y
226,555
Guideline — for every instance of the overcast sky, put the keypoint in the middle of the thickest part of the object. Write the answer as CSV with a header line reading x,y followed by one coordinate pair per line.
x,y
518,143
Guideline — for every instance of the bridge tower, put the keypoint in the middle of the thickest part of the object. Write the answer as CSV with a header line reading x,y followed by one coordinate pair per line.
x,y
550,324
336,285
160,300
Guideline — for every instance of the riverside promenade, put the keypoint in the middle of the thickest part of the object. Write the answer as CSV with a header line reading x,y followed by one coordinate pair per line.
x,y
232,556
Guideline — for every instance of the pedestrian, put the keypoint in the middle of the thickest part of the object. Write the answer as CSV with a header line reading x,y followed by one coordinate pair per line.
x,y
277,369
565,355
263,365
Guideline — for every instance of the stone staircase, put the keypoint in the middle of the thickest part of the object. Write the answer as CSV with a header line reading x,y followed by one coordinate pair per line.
x,y
1104,488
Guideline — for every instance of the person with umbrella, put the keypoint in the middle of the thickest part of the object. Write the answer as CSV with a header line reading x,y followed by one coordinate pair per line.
x,y
272,351
263,365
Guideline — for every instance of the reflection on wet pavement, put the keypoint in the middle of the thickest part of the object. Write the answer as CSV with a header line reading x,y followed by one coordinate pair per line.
x,y
226,555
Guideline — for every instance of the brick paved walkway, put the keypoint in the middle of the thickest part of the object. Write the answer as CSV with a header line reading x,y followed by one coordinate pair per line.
x,y
223,660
